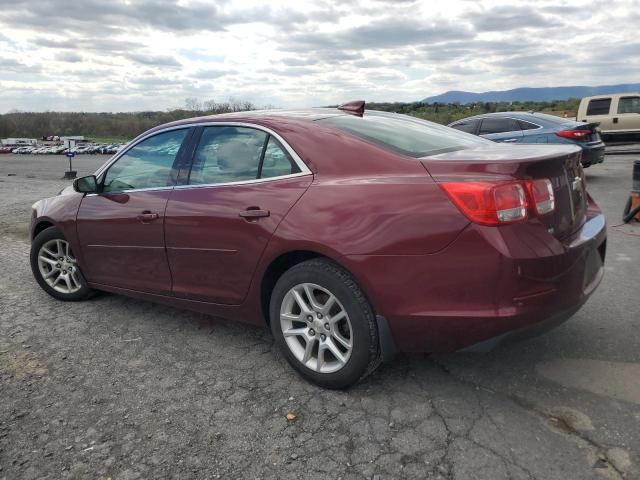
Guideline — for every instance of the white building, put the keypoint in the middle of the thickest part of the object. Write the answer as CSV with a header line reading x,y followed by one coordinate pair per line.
x,y
18,142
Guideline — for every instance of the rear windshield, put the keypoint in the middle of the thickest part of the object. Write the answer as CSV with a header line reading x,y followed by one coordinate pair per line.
x,y
406,135
549,118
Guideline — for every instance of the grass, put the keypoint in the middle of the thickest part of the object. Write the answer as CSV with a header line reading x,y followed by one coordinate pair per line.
x,y
109,140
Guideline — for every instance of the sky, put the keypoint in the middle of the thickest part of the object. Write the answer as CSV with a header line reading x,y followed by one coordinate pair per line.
x,y
129,55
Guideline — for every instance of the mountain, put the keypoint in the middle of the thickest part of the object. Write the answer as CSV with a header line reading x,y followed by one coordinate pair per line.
x,y
545,94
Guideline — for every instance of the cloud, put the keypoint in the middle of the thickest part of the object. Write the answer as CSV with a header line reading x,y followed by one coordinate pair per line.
x,y
68,57
156,60
510,18
15,66
211,73
145,54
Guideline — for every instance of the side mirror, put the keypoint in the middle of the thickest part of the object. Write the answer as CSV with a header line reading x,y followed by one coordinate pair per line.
x,y
88,184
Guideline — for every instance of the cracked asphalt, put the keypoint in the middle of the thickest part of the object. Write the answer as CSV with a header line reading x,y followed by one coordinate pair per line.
x,y
124,389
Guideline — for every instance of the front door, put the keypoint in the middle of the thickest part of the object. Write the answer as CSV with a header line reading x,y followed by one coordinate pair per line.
x,y
242,183
121,229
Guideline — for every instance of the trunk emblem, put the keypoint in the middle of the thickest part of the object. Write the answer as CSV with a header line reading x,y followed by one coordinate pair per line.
x,y
576,184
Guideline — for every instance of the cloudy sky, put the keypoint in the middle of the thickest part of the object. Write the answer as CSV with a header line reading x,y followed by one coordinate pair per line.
x,y
124,55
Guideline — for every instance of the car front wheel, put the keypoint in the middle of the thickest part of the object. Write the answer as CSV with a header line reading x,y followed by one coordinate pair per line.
x,y
55,267
324,324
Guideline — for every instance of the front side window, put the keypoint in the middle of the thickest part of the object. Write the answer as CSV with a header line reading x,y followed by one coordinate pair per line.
x,y
146,165
629,105
599,106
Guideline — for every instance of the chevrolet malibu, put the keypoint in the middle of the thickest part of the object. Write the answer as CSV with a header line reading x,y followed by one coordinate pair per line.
x,y
352,234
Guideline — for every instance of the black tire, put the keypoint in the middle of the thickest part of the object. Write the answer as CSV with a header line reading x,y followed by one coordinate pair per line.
x,y
365,353
43,237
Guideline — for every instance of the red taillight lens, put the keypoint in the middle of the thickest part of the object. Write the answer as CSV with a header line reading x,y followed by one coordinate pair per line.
x,y
541,195
574,134
489,203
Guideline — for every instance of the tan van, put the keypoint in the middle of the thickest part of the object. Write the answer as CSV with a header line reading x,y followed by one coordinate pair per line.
x,y
618,113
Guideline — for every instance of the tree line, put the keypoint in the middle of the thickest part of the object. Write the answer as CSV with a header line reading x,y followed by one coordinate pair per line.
x,y
128,125
124,125
447,113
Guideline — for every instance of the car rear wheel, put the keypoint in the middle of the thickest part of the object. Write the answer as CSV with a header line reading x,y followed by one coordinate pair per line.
x,y
324,325
55,267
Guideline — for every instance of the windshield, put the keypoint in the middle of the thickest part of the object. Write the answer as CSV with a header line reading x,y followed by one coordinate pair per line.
x,y
403,134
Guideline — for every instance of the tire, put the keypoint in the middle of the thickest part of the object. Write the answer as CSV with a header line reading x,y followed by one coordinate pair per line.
x,y
54,242
352,335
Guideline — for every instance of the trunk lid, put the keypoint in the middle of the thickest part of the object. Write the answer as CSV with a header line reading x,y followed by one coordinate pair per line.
x,y
593,128
559,163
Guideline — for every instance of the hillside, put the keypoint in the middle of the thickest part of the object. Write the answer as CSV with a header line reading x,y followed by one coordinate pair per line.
x,y
545,94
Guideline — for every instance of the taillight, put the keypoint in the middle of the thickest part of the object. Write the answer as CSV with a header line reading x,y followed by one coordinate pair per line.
x,y
489,203
541,195
574,134
501,203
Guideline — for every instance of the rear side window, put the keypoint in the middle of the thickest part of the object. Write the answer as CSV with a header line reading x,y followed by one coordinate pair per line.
x,y
468,126
277,161
403,134
227,154
599,106
629,105
497,125
237,154
526,125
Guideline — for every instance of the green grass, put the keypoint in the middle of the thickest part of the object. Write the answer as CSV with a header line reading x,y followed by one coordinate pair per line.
x,y
109,140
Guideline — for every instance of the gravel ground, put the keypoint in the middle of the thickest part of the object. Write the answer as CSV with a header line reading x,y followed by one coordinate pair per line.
x,y
124,389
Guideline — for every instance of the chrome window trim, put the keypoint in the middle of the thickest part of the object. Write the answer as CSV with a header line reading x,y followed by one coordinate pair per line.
x,y
304,170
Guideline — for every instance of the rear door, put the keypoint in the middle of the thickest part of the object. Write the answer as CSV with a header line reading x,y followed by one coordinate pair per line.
x,y
499,129
599,110
241,184
121,230
628,113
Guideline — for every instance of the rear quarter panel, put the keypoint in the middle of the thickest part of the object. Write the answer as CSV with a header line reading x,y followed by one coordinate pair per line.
x,y
366,200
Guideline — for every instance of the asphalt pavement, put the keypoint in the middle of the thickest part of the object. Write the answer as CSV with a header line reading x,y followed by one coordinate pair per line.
x,y
125,389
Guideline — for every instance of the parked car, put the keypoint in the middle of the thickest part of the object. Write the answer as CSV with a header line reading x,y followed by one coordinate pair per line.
x,y
5,149
530,127
618,114
353,234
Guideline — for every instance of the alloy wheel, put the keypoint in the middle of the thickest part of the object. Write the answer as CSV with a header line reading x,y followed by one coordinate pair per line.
x,y
58,267
316,328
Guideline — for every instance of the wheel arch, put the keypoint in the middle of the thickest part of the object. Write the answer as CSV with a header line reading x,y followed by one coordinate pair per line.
x,y
286,260
276,268
40,226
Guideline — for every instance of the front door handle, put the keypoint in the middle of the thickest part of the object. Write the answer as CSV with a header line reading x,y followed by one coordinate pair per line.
x,y
509,140
253,213
147,216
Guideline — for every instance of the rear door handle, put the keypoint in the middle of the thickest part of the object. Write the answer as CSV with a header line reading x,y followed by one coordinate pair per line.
x,y
147,216
253,213
510,140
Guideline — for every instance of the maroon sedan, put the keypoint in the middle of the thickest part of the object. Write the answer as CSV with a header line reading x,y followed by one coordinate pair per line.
x,y
352,234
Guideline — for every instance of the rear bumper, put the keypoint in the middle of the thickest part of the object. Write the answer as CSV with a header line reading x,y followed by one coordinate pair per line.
x,y
593,154
491,283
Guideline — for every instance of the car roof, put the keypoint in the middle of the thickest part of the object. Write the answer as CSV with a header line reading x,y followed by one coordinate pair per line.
x,y
543,119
